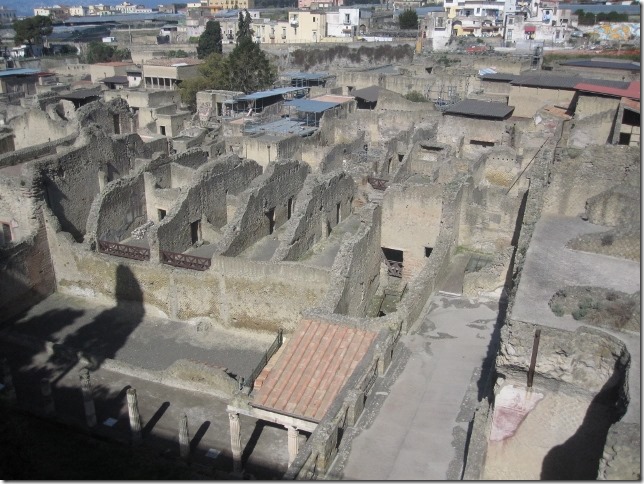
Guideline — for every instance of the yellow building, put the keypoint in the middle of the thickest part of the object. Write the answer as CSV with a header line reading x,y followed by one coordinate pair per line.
x,y
302,28
231,4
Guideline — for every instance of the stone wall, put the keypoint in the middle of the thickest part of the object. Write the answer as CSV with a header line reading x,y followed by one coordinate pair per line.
x,y
35,121
71,178
356,268
205,200
528,100
584,360
464,133
234,292
280,182
27,273
411,221
122,209
322,203
582,174
625,244
489,221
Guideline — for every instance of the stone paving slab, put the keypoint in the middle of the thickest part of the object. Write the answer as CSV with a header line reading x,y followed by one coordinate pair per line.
x,y
414,433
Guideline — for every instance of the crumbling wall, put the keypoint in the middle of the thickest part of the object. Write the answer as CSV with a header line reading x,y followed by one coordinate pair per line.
x,y
595,129
411,221
121,209
322,199
528,100
234,292
582,174
205,200
113,117
280,182
25,263
356,268
468,134
27,273
35,124
619,206
489,221
73,177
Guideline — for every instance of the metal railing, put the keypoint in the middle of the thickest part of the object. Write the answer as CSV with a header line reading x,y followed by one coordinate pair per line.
x,y
377,183
394,268
122,250
185,261
250,381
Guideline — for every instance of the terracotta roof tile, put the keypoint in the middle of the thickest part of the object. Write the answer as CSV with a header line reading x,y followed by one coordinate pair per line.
x,y
314,365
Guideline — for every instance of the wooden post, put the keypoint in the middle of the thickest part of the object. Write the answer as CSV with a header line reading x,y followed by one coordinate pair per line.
x,y
533,360
184,439
48,400
88,398
7,379
135,418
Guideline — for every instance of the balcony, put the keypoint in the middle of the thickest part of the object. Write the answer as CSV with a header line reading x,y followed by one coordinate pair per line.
x,y
347,21
294,22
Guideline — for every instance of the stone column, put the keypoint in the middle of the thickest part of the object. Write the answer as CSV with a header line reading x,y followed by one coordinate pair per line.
x,y
184,438
292,443
7,380
48,400
88,398
235,441
135,418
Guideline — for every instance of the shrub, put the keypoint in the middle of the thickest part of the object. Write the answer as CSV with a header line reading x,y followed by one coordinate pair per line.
x,y
557,309
416,97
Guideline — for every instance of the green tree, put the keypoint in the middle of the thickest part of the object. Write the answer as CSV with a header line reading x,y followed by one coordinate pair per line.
x,y
32,30
100,52
243,26
248,68
408,19
210,41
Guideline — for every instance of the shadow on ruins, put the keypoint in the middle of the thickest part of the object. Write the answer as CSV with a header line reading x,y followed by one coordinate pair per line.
x,y
578,458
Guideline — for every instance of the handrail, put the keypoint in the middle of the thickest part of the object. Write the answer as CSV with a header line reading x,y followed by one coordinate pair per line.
x,y
377,183
250,381
185,261
123,250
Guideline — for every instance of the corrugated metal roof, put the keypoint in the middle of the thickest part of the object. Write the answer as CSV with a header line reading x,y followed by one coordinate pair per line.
x,y
18,72
369,94
309,76
309,106
115,80
480,109
270,93
632,90
604,64
81,94
499,76
552,82
315,364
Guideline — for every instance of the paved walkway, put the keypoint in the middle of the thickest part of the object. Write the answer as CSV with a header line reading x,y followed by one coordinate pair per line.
x,y
418,432
126,333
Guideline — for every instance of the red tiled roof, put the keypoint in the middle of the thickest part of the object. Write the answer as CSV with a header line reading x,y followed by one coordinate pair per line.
x,y
314,366
632,91
631,104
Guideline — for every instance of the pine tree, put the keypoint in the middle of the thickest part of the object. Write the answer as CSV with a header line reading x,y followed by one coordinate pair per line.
x,y
210,41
